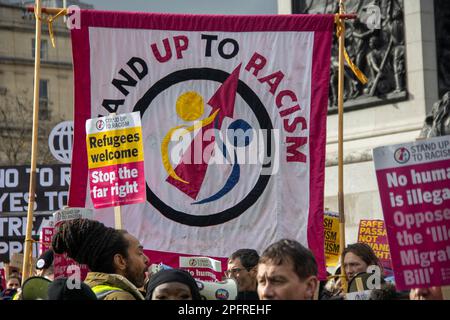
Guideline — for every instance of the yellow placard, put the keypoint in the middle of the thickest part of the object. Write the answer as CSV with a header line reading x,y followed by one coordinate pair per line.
x,y
373,232
114,147
331,229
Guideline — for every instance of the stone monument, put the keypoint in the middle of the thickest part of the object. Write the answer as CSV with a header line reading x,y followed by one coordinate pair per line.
x,y
378,49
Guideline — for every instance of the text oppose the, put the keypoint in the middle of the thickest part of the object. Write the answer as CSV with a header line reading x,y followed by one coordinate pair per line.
x,y
413,181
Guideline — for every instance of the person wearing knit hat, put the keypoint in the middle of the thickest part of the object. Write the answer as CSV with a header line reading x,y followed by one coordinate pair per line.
x,y
59,289
172,284
115,258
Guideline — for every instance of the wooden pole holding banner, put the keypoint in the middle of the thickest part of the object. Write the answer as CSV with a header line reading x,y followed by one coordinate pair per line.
x,y
117,209
341,145
117,217
55,11
28,248
28,251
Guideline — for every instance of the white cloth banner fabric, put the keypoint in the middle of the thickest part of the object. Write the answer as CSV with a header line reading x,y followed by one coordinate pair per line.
x,y
233,112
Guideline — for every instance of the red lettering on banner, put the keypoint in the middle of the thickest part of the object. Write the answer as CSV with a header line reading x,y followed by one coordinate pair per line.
x,y
273,80
295,143
181,44
257,62
158,55
290,127
289,111
255,65
282,94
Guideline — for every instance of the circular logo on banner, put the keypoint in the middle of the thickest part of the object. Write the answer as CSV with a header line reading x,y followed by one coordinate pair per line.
x,y
60,141
100,124
402,155
192,262
214,115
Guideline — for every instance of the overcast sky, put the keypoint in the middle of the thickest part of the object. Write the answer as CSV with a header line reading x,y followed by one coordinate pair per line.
x,y
190,6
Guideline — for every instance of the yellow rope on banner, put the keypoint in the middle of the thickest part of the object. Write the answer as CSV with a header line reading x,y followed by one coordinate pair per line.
x,y
50,23
358,73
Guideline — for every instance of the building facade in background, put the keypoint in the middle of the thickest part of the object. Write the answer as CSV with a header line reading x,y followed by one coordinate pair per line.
x,y
17,50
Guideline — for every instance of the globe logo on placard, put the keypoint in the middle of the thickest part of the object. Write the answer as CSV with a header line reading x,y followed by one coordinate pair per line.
x,y
60,141
402,155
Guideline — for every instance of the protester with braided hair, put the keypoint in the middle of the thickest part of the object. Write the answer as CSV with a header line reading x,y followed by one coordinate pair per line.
x,y
115,258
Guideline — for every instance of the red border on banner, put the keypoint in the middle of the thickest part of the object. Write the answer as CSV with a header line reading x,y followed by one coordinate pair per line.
x,y
213,22
317,140
82,92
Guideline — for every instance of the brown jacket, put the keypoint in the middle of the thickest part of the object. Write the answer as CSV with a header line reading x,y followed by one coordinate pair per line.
x,y
123,289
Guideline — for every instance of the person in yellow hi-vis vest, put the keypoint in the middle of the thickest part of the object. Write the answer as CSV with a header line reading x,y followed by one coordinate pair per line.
x,y
115,258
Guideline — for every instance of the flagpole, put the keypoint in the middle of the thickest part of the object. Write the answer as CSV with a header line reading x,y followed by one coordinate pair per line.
x,y
341,145
26,269
118,217
117,209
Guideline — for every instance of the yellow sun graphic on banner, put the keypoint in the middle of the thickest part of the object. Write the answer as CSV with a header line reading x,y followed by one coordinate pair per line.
x,y
190,106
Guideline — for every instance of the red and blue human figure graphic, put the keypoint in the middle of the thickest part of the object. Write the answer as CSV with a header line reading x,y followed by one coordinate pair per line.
x,y
188,176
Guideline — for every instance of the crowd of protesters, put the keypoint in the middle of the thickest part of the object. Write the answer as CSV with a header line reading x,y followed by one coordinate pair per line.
x,y
119,270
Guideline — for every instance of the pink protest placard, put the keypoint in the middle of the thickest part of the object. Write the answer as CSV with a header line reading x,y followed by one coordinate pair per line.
x,y
64,266
115,160
2,278
414,185
128,190
46,239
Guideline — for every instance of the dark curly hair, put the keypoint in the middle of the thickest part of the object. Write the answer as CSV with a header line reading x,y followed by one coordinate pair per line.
x,y
90,242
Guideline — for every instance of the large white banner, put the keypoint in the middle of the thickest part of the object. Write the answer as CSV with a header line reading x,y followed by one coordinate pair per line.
x,y
233,112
